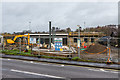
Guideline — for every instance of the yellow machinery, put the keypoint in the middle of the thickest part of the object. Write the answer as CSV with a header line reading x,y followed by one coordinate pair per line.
x,y
17,36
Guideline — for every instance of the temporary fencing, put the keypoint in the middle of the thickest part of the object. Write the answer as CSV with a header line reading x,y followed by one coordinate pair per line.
x,y
100,51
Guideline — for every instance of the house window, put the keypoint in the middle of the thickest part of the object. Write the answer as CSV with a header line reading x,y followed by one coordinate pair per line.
x,y
75,40
86,40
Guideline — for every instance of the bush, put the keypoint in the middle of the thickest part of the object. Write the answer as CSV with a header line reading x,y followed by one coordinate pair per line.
x,y
76,58
3,51
15,52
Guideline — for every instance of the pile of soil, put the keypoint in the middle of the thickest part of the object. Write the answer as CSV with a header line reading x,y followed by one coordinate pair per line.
x,y
96,48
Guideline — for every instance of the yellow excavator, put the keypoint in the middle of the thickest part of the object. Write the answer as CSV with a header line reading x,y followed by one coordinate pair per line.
x,y
12,41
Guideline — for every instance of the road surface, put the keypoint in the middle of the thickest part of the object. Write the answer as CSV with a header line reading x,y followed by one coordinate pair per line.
x,y
12,68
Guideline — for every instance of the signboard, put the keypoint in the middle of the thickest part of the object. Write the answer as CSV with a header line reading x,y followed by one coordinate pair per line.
x,y
58,44
33,40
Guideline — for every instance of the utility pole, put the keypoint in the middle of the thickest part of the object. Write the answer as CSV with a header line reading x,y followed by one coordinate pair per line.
x,y
50,34
53,34
78,41
29,25
84,25
68,37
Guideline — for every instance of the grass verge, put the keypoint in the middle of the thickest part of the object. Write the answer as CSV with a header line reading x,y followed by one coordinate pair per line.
x,y
16,52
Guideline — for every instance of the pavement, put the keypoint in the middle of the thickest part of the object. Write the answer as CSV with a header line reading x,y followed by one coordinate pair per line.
x,y
76,63
12,68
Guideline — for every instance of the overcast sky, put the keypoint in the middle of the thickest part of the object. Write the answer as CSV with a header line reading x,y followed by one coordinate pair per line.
x,y
16,16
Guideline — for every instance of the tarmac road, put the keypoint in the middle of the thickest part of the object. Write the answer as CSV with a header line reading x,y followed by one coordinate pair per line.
x,y
12,68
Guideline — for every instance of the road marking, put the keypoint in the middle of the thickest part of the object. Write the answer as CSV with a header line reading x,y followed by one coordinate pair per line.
x,y
31,61
114,72
11,59
103,70
44,64
93,69
35,73
34,62
62,65
8,59
98,70
49,64
58,65
26,61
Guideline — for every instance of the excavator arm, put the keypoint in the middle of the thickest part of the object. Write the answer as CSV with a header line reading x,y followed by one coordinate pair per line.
x,y
17,36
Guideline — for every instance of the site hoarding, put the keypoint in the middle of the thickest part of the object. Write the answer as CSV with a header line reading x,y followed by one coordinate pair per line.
x,y
58,44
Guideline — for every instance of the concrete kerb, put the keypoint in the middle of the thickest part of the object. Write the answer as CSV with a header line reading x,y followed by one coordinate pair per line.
x,y
63,62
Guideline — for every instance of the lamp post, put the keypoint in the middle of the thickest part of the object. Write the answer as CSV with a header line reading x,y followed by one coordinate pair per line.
x,y
78,41
50,34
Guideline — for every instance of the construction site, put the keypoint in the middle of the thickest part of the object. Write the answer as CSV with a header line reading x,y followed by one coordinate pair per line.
x,y
86,46
60,40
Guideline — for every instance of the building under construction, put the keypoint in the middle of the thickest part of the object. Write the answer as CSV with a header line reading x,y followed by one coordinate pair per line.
x,y
68,39
85,37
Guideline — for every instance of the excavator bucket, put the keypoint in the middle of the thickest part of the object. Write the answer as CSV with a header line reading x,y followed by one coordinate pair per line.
x,y
10,41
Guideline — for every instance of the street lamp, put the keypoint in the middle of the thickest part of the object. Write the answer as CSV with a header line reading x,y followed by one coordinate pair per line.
x,y
78,41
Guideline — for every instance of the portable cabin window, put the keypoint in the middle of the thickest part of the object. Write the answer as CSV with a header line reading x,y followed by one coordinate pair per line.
x,y
46,40
75,40
64,41
86,40
92,40
37,40
42,40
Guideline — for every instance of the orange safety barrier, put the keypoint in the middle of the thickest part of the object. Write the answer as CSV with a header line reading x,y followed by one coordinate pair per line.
x,y
96,53
83,44
109,56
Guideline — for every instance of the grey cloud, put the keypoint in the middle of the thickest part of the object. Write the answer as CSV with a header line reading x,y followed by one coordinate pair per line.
x,y
16,16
